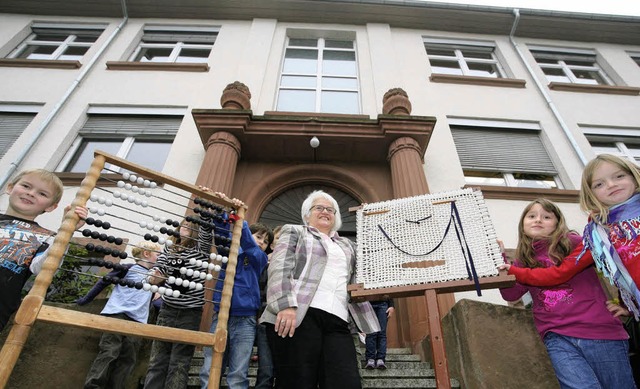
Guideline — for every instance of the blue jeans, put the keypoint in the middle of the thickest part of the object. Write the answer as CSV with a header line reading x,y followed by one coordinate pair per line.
x,y
241,334
265,362
169,362
376,343
587,363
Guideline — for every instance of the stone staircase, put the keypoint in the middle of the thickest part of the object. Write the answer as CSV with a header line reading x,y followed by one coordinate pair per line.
x,y
404,371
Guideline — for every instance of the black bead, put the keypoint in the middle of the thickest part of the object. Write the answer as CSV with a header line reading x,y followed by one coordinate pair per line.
x,y
108,265
147,236
98,223
111,239
86,232
175,223
107,251
139,285
103,237
169,222
154,239
95,234
123,255
90,246
118,241
90,220
106,225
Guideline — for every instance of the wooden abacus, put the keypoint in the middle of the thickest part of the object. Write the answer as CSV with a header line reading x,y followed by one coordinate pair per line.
x,y
32,307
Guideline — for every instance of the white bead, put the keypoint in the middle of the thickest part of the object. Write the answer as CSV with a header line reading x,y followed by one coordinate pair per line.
x,y
171,280
116,194
199,263
225,259
192,285
93,209
143,224
150,226
94,197
127,186
126,175
133,178
211,266
108,203
134,189
144,203
168,292
148,193
101,212
146,182
189,272
203,275
217,268
146,286
209,277
101,200
169,243
198,287
161,289
196,274
179,281
138,201
120,184
161,240
183,270
154,288
219,257
163,219
212,256
153,185
156,228
131,199
156,218
205,265
140,180
176,293
192,261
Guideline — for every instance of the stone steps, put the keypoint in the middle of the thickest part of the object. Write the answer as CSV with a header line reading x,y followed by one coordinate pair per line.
x,y
404,371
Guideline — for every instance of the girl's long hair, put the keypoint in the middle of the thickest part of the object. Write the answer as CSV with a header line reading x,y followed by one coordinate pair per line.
x,y
559,244
588,201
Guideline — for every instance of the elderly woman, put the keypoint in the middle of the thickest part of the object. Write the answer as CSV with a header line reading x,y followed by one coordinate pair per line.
x,y
308,309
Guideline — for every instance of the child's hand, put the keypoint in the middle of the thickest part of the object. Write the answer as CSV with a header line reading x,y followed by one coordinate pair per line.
x,y
617,310
505,266
82,213
390,311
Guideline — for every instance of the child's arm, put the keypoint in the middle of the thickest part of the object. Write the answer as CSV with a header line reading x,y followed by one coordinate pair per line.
x,y
553,275
99,287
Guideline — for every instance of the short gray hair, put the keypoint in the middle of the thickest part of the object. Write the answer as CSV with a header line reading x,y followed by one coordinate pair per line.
x,y
308,204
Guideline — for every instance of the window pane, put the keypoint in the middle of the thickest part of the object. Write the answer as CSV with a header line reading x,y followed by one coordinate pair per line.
x,y
445,67
301,61
86,38
477,54
483,70
527,180
555,75
339,63
151,154
441,51
193,55
153,54
338,44
298,81
340,102
51,37
303,42
84,156
580,62
297,101
484,178
588,77
38,52
73,53
339,83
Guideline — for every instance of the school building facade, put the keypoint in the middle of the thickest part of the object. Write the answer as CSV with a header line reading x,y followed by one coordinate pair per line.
x,y
404,97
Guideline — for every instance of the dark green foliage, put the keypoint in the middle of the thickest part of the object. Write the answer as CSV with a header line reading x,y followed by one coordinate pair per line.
x,y
67,286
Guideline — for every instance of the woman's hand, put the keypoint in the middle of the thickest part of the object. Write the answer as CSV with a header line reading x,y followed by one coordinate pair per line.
x,y
617,310
286,322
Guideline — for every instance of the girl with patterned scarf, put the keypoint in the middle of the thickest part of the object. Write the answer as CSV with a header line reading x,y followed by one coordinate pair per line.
x,y
610,193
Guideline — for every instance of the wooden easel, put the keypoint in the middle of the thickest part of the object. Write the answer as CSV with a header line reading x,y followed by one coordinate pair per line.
x,y
430,291
32,307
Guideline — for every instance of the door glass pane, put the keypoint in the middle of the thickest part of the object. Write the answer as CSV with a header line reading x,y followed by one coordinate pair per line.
x,y
339,63
301,61
340,102
297,101
84,156
151,154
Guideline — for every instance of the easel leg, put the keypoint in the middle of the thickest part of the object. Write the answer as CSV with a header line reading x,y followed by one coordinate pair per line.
x,y
437,342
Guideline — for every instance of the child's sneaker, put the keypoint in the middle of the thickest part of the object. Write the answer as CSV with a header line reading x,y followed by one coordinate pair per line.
x,y
380,364
371,364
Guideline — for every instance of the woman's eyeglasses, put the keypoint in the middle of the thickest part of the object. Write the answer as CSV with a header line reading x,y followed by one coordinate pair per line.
x,y
322,208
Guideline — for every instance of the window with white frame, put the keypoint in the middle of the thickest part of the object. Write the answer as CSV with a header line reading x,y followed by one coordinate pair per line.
x,y
463,58
503,154
623,142
319,75
636,58
57,42
13,121
575,66
142,139
175,44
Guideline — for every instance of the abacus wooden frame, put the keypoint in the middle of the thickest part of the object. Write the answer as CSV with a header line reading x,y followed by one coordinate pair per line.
x,y
32,307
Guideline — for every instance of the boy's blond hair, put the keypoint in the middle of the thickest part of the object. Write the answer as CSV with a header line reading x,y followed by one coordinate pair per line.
x,y
588,201
46,176
145,245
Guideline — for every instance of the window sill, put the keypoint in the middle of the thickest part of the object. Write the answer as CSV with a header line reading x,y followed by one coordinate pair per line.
x,y
75,179
475,80
527,194
171,67
606,89
39,63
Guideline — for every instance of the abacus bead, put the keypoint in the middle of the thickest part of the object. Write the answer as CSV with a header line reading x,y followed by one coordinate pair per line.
x,y
107,251
192,285
127,186
118,241
152,185
90,220
209,277
163,230
154,239
137,201
163,219
139,180
161,240
95,234
111,239
126,175
189,272
175,223
196,274
93,197
161,289
138,285
168,221
156,228
171,279
116,194
108,265
98,223
93,209
101,200
179,281
225,259
199,263
144,203
108,202
106,225
115,280
147,236
90,246
176,293
169,243
183,270
131,199
205,265
154,288
211,266
123,282
135,189
212,256
103,237
107,279
198,286
203,275
123,255
168,292
143,224
217,268
192,261
146,182
101,212
146,286
133,178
